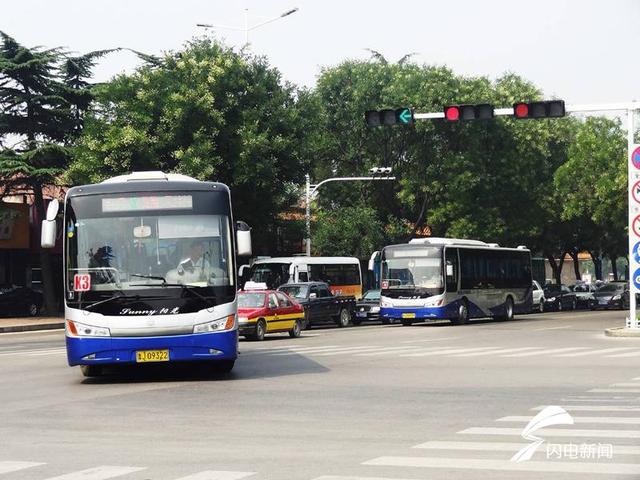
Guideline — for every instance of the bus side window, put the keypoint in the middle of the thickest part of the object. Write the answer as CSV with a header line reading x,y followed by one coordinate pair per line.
x,y
303,277
451,269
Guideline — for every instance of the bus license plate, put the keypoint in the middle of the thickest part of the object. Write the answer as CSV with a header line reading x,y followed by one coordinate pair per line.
x,y
408,315
152,356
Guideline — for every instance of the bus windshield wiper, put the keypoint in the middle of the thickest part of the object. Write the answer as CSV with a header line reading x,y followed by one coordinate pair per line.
x,y
118,294
151,277
164,284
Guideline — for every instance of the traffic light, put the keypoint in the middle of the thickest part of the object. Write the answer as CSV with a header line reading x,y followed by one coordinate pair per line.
x,y
455,113
546,109
399,116
380,170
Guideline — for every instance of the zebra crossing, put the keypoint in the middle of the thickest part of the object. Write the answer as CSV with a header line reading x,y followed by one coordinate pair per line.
x,y
449,351
34,352
106,472
608,425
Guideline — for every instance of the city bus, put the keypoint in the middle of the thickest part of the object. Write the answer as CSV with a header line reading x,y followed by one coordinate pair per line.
x,y
341,273
454,279
149,271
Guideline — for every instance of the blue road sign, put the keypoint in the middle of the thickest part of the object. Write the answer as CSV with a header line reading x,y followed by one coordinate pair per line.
x,y
636,252
636,278
635,157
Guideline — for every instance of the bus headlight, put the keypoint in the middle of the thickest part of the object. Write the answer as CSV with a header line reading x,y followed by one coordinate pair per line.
x,y
375,309
215,326
77,329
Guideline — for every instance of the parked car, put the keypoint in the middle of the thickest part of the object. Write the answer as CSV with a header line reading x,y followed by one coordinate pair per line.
x,y
368,308
19,300
320,305
268,311
538,298
611,295
584,293
559,297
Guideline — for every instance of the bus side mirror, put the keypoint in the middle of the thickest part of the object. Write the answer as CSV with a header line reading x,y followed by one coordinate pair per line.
x,y
243,239
49,232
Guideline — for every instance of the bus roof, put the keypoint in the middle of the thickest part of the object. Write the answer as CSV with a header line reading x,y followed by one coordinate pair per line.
x,y
457,242
309,260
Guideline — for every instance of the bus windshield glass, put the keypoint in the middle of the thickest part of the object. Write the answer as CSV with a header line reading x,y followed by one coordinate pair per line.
x,y
408,268
146,243
272,274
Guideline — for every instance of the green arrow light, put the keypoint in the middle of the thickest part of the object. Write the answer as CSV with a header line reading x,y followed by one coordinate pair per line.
x,y
404,115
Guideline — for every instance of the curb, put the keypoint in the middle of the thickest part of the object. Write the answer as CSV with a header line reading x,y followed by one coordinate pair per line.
x,y
622,332
32,328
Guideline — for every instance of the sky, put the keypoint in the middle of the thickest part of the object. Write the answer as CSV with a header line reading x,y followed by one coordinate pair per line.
x,y
581,51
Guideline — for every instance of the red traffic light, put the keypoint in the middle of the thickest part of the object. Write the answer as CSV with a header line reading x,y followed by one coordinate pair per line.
x,y
521,110
546,109
482,111
452,113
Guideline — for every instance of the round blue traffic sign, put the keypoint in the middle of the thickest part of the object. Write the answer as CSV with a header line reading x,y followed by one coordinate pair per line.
x,y
635,158
636,252
636,278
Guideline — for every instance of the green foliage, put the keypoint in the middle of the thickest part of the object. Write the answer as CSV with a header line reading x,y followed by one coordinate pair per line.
x,y
349,231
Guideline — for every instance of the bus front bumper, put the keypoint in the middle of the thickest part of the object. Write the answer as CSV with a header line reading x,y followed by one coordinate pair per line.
x,y
182,348
418,313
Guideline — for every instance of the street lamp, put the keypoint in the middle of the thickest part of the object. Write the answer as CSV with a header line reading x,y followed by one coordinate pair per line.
x,y
311,190
246,29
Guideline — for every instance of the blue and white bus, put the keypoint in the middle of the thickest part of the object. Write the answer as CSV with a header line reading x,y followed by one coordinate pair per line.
x,y
447,278
150,271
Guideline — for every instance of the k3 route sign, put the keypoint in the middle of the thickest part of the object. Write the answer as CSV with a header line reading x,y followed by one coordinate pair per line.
x,y
634,217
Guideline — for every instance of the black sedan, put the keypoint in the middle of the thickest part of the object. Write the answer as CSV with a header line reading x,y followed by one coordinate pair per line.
x,y
584,294
614,295
368,308
559,297
17,300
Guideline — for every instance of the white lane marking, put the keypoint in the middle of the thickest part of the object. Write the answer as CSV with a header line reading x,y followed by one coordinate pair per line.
x,y
615,390
551,328
314,351
602,399
397,350
272,348
7,467
447,352
603,420
496,352
32,352
506,465
430,340
506,447
623,355
592,352
51,352
217,475
625,385
98,473
351,477
545,352
347,351
306,349
594,408
554,432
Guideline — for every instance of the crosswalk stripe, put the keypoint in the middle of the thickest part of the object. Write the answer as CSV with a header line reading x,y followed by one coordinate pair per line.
x,y
446,352
320,350
98,473
496,352
8,467
615,390
51,352
605,420
31,352
505,465
351,477
545,352
217,475
626,385
397,350
430,340
506,447
621,355
594,408
604,399
593,352
348,350
554,432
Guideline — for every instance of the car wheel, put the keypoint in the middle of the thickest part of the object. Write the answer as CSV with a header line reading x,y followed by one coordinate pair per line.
x,y
307,321
463,314
296,330
91,370
344,318
260,330
559,305
574,304
33,309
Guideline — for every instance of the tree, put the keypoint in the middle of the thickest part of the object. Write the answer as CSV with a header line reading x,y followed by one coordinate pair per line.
x,y
349,231
210,113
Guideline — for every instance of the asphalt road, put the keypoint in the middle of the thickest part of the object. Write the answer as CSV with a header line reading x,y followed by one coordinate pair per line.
x,y
427,401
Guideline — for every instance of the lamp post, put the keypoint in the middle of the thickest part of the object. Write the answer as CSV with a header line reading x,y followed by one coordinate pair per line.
x,y
311,190
246,29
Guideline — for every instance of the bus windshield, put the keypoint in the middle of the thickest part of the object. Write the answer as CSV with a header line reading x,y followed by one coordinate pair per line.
x,y
123,242
273,274
404,268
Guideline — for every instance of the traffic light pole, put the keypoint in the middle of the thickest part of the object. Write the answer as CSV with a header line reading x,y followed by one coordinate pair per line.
x,y
633,175
311,190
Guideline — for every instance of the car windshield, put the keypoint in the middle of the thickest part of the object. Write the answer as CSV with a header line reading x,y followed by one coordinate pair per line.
x,y
580,288
611,287
552,289
372,295
295,291
250,300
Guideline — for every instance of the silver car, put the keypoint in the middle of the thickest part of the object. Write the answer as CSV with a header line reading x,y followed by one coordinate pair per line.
x,y
538,298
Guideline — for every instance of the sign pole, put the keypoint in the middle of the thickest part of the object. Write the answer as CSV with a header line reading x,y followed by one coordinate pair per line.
x,y
633,174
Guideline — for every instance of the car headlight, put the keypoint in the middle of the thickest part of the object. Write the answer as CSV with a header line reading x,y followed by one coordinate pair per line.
x,y
552,299
385,303
375,309
616,297
77,329
215,326
243,320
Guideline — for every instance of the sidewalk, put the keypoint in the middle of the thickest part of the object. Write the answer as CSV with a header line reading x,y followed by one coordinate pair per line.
x,y
27,324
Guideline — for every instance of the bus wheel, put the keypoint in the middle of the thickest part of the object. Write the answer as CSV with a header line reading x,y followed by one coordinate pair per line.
x,y
296,330
224,366
91,370
508,310
463,314
260,331
406,322
344,319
